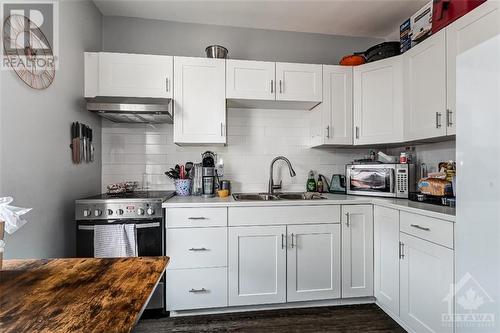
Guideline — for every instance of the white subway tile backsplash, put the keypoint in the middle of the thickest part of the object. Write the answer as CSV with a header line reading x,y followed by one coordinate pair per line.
x,y
255,137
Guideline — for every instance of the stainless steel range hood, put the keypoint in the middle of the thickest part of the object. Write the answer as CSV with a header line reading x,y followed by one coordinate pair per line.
x,y
132,109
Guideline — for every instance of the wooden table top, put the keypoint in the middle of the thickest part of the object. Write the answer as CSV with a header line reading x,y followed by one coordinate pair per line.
x,y
76,295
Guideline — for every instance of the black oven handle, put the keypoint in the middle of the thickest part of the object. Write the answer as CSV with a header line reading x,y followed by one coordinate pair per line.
x,y
137,226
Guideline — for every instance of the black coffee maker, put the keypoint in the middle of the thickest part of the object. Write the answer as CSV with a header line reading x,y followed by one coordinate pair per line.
x,y
209,175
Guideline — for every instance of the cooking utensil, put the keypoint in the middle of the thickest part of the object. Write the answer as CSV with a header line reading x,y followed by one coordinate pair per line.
x,y
216,51
78,143
73,143
352,60
91,145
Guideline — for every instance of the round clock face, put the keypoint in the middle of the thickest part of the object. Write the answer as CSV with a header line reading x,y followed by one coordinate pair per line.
x,y
28,52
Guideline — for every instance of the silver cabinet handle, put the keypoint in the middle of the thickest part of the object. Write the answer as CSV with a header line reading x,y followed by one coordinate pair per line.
x,y
202,290
401,250
282,241
292,241
348,219
438,119
221,129
420,227
449,121
167,86
281,89
197,218
328,131
272,86
357,132
197,249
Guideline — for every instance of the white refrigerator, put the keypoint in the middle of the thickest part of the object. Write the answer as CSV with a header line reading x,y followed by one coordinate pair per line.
x,y
477,227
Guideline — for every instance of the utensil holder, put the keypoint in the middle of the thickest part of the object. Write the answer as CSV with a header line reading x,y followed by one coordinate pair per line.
x,y
183,187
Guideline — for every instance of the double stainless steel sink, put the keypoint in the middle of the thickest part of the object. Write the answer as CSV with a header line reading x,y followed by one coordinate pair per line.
x,y
277,196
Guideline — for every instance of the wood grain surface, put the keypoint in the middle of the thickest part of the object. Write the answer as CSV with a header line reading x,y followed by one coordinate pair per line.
x,y
76,295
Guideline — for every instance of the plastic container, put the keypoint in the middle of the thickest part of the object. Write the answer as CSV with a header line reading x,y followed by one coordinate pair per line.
x,y
183,187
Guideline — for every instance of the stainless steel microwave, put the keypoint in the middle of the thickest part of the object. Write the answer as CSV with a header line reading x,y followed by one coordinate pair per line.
x,y
382,180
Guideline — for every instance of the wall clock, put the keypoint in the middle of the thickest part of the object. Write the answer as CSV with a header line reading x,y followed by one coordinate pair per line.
x,y
28,52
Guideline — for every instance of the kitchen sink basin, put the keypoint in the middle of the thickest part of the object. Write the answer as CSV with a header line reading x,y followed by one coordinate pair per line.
x,y
277,196
254,197
300,196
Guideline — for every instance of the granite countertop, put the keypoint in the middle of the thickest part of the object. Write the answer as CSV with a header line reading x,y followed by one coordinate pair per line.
x,y
440,212
77,295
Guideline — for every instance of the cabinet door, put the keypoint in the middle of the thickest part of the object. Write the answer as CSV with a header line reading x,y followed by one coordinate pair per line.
x,y
298,82
386,257
357,251
257,265
468,31
426,274
378,102
425,88
199,100
313,262
135,75
337,104
250,79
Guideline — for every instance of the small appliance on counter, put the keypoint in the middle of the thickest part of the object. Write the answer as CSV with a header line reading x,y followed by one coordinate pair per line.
x,y
382,180
209,174
337,184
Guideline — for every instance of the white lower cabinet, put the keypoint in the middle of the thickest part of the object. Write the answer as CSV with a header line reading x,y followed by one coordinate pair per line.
x,y
357,251
426,276
199,288
386,258
257,265
313,262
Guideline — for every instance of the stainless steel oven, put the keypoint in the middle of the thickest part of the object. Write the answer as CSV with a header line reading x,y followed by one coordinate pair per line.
x,y
382,180
142,209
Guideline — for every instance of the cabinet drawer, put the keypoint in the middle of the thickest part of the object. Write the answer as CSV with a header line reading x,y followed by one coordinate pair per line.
x,y
240,216
428,228
196,288
197,247
196,217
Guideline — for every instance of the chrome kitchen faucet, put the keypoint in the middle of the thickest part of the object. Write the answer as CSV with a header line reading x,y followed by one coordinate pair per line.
x,y
273,187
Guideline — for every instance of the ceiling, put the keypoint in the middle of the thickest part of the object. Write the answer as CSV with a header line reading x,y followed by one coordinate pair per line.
x,y
366,18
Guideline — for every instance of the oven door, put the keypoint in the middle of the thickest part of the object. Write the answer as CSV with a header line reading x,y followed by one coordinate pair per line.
x,y
149,238
373,180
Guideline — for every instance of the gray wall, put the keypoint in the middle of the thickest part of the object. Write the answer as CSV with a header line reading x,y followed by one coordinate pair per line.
x,y
134,35
36,167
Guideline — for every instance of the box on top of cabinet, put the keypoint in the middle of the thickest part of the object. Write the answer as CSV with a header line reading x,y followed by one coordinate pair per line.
x,y
417,28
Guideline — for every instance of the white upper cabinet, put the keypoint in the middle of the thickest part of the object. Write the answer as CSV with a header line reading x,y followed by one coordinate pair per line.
x,y
425,88
250,79
331,121
199,101
357,251
313,262
298,82
468,31
378,102
386,258
426,285
128,75
257,265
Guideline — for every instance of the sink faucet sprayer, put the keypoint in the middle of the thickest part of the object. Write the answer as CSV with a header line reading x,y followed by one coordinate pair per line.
x,y
273,187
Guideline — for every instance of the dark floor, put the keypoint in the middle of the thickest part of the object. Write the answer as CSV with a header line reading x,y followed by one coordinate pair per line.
x,y
351,318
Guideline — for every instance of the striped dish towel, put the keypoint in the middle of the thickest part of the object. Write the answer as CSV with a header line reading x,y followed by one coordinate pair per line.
x,y
115,240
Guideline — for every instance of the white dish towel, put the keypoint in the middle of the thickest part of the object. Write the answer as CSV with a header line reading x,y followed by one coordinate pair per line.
x,y
115,240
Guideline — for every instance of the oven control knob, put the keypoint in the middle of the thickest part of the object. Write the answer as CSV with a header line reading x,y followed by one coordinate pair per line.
x,y
87,212
110,212
119,211
140,211
150,211
97,212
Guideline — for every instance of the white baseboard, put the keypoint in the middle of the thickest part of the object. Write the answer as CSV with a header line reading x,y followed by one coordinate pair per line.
x,y
291,305
394,316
